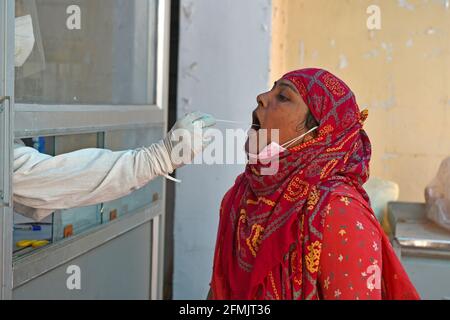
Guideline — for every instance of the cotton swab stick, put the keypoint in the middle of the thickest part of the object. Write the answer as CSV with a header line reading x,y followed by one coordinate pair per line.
x,y
237,122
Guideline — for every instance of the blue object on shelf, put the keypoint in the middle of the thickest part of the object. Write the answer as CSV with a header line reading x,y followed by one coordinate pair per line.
x,y
27,227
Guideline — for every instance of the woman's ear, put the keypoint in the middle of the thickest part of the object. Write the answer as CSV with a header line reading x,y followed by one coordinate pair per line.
x,y
311,122
301,126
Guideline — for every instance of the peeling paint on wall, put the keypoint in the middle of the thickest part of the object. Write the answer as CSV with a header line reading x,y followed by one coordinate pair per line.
x,y
385,104
186,107
389,48
190,70
302,53
343,61
315,55
389,155
405,4
430,31
444,3
371,54
434,53
187,10
445,101
390,102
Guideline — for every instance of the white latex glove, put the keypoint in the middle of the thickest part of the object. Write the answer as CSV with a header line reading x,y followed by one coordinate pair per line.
x,y
187,138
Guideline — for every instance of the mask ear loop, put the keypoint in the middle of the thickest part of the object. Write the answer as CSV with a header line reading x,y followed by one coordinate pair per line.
x,y
171,178
290,142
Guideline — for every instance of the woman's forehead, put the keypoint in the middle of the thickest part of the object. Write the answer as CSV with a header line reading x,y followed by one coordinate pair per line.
x,y
286,83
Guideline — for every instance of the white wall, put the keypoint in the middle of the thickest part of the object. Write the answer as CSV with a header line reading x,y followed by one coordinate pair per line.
x,y
224,63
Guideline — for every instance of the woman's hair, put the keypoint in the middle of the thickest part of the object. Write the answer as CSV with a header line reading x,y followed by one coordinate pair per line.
x,y
311,122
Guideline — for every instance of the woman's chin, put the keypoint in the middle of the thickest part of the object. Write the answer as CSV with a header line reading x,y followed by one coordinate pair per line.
x,y
246,146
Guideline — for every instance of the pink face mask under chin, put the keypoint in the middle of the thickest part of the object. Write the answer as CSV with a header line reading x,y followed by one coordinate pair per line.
x,y
273,149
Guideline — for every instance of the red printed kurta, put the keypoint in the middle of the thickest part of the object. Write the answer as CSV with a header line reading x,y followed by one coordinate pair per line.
x,y
350,258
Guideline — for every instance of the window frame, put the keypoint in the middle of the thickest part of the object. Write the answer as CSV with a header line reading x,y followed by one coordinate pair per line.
x,y
61,119
28,120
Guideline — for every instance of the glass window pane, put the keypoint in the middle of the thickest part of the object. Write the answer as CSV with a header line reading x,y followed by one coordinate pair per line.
x,y
26,229
71,222
101,52
62,223
74,221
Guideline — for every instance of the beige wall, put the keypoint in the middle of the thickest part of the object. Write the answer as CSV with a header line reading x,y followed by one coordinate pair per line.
x,y
400,73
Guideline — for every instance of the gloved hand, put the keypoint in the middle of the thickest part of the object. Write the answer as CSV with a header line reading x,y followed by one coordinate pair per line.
x,y
163,157
187,138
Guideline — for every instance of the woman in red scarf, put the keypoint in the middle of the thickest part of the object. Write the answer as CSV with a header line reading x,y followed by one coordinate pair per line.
x,y
307,231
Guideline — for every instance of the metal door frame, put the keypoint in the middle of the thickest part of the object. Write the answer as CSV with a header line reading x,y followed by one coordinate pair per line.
x,y
6,129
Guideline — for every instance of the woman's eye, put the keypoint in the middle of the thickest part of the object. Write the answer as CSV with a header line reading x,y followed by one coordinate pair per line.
x,y
282,98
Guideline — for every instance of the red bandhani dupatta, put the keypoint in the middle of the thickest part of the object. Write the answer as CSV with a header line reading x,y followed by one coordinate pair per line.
x,y
261,216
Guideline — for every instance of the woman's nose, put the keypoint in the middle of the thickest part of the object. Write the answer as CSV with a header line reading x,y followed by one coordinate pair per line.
x,y
260,99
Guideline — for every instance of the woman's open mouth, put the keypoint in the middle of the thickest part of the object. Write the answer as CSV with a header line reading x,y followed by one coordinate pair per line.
x,y
256,124
252,136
